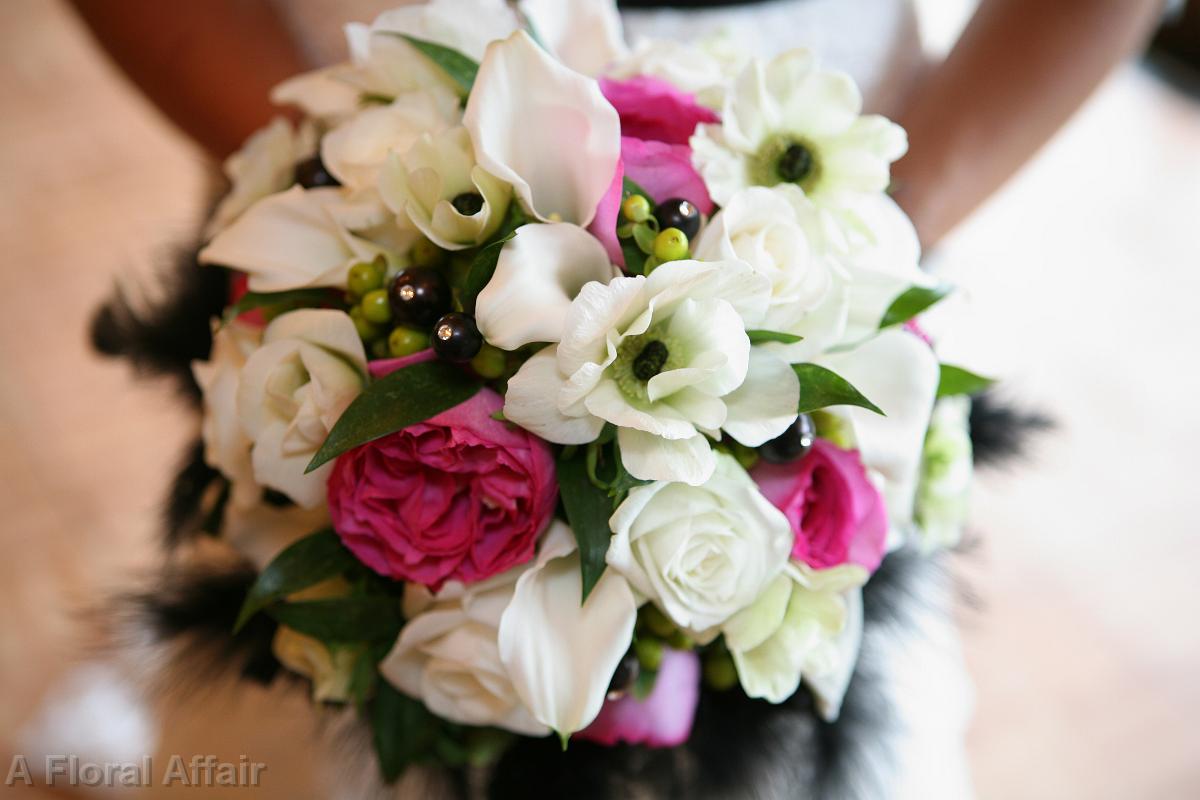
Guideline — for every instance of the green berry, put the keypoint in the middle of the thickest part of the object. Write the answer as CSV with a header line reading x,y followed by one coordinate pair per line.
x,y
379,348
490,362
405,341
719,671
376,307
680,641
671,245
367,330
636,208
364,277
649,653
657,622
427,254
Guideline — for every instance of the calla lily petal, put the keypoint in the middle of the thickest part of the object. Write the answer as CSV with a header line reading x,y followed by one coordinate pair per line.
x,y
899,373
538,274
585,34
561,654
522,109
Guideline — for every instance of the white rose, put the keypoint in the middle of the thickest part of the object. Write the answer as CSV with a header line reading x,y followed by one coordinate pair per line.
x,y
807,624
329,670
291,392
448,655
438,186
700,553
226,446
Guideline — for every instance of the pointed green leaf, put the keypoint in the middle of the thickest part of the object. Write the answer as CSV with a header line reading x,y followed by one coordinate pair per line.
x,y
405,397
758,337
278,302
821,388
403,730
306,562
956,380
912,302
483,265
342,619
588,509
460,68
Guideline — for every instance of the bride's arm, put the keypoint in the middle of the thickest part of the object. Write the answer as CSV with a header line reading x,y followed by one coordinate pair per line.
x,y
1021,68
207,64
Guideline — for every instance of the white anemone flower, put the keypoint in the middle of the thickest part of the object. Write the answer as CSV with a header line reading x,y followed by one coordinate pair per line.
x,y
664,358
787,121
806,624
524,110
440,189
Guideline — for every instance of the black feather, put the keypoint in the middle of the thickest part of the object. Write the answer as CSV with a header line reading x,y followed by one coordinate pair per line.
x,y
1001,431
162,337
184,514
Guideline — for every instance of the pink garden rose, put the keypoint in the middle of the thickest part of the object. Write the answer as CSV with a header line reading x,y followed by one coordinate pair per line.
x,y
664,719
837,513
654,110
460,497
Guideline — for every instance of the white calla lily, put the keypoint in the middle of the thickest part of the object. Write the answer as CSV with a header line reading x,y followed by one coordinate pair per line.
x,y
439,188
522,109
899,373
295,239
291,392
539,272
560,653
585,34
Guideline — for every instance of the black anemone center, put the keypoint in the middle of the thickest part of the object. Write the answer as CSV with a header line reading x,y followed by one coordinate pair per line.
x,y
795,164
650,361
468,203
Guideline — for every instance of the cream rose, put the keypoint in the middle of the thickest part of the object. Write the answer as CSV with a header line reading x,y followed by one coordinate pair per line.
x,y
700,553
329,670
290,393
448,655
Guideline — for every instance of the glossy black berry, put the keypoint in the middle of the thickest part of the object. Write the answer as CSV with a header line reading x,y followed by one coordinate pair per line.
x,y
793,444
678,213
419,296
626,674
795,164
312,174
456,338
468,203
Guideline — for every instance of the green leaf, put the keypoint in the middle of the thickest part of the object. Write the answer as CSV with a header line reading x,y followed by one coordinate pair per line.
x,y
309,561
588,509
460,68
821,388
342,619
405,397
956,380
629,187
758,337
913,301
279,302
403,730
635,259
483,265
644,235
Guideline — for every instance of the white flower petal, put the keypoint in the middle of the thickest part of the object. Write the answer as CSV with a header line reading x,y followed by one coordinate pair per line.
x,y
561,654
522,109
653,458
539,272
584,34
532,403
765,404
829,687
320,93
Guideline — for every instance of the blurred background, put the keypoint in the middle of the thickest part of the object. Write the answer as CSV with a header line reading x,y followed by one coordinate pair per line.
x,y
1080,281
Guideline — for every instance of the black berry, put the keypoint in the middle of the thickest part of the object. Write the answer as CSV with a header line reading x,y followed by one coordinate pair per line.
x,y
468,203
793,444
419,296
678,213
456,338
795,164
312,174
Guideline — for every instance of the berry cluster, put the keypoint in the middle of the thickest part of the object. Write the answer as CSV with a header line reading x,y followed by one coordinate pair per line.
x,y
661,233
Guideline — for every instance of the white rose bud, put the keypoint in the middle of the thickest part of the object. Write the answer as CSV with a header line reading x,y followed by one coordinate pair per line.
x,y
292,390
442,191
700,553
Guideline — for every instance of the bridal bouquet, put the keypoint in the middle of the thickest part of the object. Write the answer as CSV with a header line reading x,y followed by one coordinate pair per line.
x,y
560,380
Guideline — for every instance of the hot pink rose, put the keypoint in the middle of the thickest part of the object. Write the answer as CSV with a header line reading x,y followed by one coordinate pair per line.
x,y
664,719
654,110
836,512
460,497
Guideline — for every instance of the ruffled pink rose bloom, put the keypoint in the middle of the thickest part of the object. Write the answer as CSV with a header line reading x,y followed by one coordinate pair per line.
x,y
460,496
656,122
837,513
664,719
